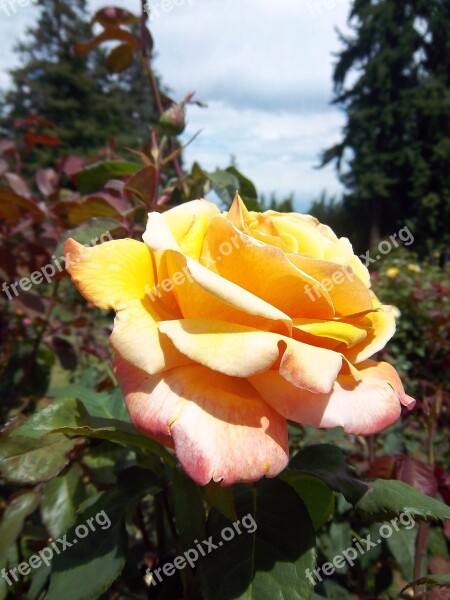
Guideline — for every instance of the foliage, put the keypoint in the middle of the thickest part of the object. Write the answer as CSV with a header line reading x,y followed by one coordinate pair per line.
x,y
68,450
392,80
421,292
88,105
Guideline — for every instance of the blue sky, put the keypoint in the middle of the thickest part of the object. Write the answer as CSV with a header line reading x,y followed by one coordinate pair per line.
x,y
264,69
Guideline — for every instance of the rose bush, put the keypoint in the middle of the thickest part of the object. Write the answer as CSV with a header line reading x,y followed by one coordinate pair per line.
x,y
228,324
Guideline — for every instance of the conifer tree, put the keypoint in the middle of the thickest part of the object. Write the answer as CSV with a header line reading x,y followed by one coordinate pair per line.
x,y
392,78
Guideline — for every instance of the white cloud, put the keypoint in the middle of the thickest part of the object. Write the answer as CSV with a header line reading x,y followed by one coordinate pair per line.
x,y
278,151
264,68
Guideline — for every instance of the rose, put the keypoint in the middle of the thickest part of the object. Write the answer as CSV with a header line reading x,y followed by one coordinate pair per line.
x,y
230,323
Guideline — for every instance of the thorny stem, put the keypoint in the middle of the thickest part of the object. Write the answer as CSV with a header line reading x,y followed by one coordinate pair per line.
x,y
154,86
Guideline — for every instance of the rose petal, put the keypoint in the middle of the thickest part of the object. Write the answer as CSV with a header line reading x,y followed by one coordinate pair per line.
x,y
380,327
362,408
204,294
219,426
263,270
241,351
340,331
348,293
111,274
137,338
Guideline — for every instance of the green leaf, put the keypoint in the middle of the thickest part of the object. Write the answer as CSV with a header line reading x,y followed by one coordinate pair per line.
x,y
13,519
220,498
93,231
224,184
316,495
188,508
335,539
98,404
105,460
25,460
71,417
39,578
267,562
327,462
11,526
402,545
247,189
336,592
87,568
93,178
385,499
61,498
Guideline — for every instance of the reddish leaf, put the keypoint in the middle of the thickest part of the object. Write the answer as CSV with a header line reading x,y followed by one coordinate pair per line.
x,y
71,165
32,121
120,58
439,566
3,166
111,15
112,33
32,139
93,207
144,183
447,529
144,157
18,185
31,303
47,181
7,147
383,467
38,256
418,474
9,213
11,203
414,472
120,203
65,352
443,481
8,263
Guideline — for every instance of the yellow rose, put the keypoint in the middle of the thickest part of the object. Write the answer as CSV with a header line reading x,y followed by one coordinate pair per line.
x,y
414,268
392,272
228,324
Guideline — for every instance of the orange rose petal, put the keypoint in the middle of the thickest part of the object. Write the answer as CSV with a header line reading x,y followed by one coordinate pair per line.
x,y
137,339
204,294
380,327
349,296
240,351
362,408
347,333
180,219
118,275
112,274
264,270
220,427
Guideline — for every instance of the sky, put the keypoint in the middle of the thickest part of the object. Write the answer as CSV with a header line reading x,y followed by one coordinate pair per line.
x,y
263,68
